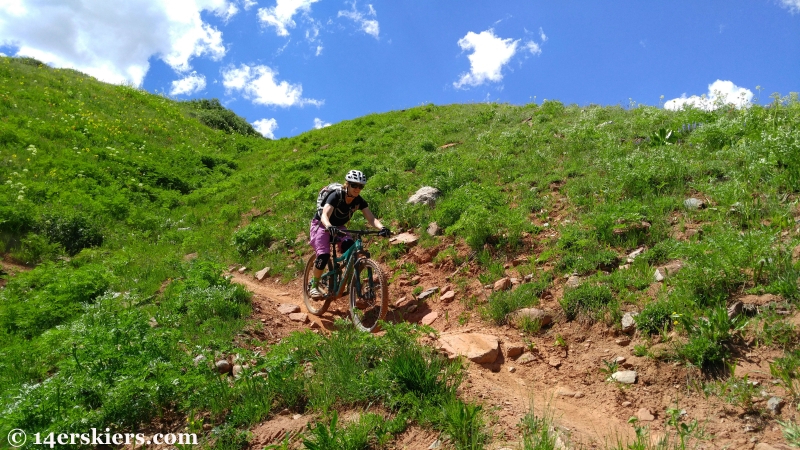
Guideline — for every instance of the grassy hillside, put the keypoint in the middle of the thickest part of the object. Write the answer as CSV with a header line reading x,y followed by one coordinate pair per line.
x,y
104,190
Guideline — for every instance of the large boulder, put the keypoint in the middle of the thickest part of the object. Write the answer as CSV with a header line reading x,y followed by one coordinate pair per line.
x,y
477,347
426,195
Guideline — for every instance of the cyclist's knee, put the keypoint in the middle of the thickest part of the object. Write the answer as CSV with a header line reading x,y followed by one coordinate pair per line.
x,y
322,260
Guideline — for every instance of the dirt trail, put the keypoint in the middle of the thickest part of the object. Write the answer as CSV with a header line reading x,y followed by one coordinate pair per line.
x,y
566,383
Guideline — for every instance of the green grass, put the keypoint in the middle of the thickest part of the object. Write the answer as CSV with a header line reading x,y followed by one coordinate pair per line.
x,y
104,190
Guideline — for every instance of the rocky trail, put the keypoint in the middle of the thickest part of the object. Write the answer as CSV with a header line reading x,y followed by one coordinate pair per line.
x,y
561,371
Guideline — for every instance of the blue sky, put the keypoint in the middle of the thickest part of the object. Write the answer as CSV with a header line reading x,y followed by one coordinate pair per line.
x,y
288,66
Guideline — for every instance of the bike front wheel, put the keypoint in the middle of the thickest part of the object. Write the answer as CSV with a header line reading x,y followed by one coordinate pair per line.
x,y
317,306
369,295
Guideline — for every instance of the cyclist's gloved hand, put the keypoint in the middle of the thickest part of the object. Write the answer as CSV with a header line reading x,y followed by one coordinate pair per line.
x,y
333,230
385,232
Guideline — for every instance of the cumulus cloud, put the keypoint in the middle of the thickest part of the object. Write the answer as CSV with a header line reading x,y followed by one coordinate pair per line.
x,y
280,15
792,5
319,123
367,25
113,41
259,85
489,54
266,127
188,85
720,93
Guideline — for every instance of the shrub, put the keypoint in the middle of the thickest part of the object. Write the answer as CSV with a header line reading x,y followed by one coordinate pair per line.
x,y
709,338
212,114
588,300
35,248
253,237
503,303
73,231
655,317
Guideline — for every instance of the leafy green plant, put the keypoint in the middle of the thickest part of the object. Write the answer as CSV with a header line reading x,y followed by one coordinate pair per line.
x,y
463,423
502,303
253,237
709,337
537,431
655,317
609,368
787,371
589,301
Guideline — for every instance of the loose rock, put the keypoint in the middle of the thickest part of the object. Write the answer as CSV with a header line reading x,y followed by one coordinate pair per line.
x,y
477,347
624,376
629,322
288,308
503,284
242,269
645,415
433,229
694,203
554,362
658,276
564,392
427,293
573,281
404,238
261,274
429,318
223,366
448,296
299,317
544,317
198,359
775,404
514,349
526,358
426,195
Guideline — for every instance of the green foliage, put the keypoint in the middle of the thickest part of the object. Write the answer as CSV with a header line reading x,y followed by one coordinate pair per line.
x,y
589,301
463,423
655,317
74,232
253,237
212,114
537,431
503,303
709,338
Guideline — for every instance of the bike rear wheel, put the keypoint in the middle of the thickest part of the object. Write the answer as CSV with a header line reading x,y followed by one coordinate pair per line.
x,y
369,295
317,306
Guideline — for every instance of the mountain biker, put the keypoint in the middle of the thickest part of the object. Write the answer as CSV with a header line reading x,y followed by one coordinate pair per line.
x,y
338,208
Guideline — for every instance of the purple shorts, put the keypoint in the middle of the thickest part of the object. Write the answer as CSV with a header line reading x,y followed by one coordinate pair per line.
x,y
320,239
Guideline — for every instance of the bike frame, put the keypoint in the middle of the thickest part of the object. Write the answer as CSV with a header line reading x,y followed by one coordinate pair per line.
x,y
340,280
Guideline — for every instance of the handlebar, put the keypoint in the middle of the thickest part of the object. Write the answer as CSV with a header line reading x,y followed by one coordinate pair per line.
x,y
357,232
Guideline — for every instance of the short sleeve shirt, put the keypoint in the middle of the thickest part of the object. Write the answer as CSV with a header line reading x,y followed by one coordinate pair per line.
x,y
342,212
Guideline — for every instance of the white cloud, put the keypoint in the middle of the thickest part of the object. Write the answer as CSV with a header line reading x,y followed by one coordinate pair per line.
x,y
533,47
280,15
266,127
792,5
259,85
249,4
319,123
542,36
720,93
369,26
113,41
188,85
489,54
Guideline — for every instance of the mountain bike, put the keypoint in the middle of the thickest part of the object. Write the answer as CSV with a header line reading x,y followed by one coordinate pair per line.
x,y
354,270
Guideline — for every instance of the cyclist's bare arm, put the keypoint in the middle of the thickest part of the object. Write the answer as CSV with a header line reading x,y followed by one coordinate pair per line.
x,y
371,219
325,217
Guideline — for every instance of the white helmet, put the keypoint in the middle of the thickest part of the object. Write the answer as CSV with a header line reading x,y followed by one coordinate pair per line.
x,y
356,176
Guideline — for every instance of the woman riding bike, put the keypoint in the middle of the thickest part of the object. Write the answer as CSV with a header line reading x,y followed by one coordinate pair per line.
x,y
337,209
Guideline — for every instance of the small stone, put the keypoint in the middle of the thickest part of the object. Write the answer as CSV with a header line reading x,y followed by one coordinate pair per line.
x,y
623,341
735,309
198,359
426,195
579,394
775,404
315,325
448,296
153,322
400,302
429,318
512,369
514,349
528,277
544,317
299,317
237,370
645,415
261,274
554,362
635,253
629,322
619,360
434,229
427,293
626,404
416,279
658,276
288,308
503,284
412,308
526,358
242,269
477,347
435,444
564,392
296,416
223,366
624,376
284,412
694,203
573,281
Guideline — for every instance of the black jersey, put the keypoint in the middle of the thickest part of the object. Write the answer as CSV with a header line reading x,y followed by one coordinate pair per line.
x,y
342,212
